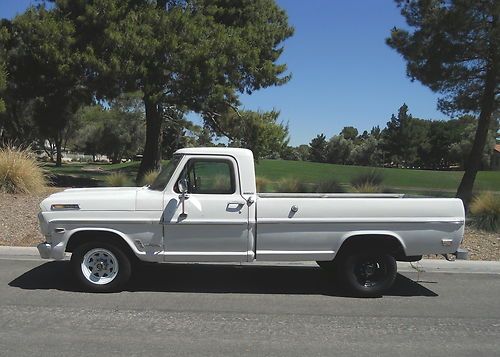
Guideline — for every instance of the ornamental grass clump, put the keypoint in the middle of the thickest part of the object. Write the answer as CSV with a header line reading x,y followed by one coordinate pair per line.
x,y
485,212
368,182
20,172
150,177
291,185
367,188
117,179
329,186
263,184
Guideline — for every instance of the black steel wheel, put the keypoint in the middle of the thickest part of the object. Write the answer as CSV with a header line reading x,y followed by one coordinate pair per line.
x,y
369,274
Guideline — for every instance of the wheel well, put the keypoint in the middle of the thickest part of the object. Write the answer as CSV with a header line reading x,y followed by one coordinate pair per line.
x,y
386,243
82,237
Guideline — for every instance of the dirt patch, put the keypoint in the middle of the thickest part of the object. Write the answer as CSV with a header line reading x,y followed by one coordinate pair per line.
x,y
18,218
482,245
19,227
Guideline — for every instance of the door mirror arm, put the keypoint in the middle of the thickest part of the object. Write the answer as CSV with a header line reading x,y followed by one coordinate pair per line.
x,y
182,185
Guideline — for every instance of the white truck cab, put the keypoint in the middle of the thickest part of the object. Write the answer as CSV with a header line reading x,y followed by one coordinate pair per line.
x,y
203,207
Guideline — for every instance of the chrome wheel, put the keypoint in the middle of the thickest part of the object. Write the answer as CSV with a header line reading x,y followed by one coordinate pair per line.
x,y
99,266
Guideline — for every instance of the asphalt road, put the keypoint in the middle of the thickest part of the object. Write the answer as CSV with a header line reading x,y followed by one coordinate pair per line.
x,y
202,310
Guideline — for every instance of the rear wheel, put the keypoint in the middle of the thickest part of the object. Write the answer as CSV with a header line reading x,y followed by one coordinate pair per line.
x,y
369,274
101,267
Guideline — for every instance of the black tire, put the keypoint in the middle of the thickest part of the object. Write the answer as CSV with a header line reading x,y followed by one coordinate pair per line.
x,y
95,267
368,274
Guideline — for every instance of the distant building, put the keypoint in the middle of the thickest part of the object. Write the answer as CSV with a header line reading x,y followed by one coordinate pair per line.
x,y
495,159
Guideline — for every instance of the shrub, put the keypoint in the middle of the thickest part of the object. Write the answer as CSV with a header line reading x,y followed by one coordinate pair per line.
x,y
367,188
20,172
262,184
485,211
368,182
291,185
150,177
117,179
372,177
329,186
221,183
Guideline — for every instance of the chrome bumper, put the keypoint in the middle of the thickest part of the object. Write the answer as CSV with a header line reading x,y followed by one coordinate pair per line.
x,y
49,251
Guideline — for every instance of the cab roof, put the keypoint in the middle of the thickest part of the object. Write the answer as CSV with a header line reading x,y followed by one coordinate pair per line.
x,y
236,152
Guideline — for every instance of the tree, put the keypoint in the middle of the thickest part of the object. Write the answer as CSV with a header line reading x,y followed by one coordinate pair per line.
x,y
459,149
349,133
45,67
367,152
339,150
117,132
258,131
3,74
3,84
405,139
376,132
454,50
318,147
304,152
178,132
193,55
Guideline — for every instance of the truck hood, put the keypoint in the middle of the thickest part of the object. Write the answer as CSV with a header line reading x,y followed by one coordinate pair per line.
x,y
94,199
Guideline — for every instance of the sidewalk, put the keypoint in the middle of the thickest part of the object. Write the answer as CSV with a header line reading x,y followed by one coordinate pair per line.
x,y
425,265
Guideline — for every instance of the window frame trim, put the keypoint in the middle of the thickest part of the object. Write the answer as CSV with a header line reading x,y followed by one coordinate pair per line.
x,y
233,164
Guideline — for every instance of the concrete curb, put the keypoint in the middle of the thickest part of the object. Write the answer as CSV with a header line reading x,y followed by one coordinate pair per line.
x,y
425,265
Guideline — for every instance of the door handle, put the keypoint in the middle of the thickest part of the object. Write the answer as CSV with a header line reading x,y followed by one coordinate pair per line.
x,y
234,206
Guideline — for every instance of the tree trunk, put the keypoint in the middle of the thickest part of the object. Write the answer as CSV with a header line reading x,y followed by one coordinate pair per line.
x,y
58,152
152,148
473,163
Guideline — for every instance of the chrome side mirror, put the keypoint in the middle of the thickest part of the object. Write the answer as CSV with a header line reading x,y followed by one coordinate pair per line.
x,y
182,185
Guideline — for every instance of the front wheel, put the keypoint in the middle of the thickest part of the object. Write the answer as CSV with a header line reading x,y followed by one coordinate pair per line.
x,y
101,267
369,274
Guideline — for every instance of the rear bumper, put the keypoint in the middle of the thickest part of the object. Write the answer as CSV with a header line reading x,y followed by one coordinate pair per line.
x,y
49,251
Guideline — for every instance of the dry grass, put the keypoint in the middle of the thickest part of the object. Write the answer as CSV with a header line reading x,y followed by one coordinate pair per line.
x,y
221,183
150,177
291,185
263,184
368,182
20,172
329,186
117,179
367,188
485,211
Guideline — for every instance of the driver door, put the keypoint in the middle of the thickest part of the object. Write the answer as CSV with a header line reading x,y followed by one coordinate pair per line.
x,y
213,226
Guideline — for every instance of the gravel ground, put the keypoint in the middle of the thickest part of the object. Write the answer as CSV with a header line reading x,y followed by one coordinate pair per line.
x,y
19,227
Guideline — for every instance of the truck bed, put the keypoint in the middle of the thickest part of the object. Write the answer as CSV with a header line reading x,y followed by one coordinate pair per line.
x,y
293,226
330,195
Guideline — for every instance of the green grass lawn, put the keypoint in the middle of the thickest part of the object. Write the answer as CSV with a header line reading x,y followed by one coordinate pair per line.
x,y
421,180
436,183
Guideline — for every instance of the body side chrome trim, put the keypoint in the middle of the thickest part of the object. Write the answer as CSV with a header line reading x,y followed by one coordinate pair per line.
x,y
452,220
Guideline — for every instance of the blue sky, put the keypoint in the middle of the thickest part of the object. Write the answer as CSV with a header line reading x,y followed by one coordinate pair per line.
x,y
343,73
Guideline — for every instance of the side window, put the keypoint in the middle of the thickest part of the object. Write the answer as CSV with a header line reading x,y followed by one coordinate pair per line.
x,y
207,176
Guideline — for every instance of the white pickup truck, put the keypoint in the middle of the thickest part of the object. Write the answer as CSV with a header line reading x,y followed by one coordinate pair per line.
x,y
204,207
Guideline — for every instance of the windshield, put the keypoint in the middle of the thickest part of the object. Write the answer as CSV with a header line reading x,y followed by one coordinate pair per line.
x,y
165,174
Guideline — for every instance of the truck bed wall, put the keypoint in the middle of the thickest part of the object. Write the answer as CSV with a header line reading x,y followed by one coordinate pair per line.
x,y
320,225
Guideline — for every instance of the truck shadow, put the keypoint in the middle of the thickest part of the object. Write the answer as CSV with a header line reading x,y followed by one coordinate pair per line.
x,y
208,278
